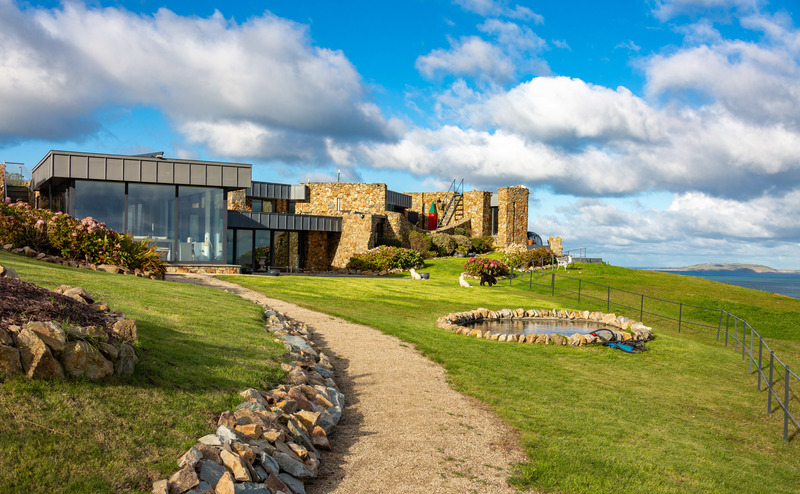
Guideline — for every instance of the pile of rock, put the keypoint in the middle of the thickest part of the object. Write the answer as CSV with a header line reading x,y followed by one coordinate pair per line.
x,y
49,349
623,328
108,268
271,442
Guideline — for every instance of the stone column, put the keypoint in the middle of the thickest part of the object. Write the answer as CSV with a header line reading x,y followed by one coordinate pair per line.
x,y
512,215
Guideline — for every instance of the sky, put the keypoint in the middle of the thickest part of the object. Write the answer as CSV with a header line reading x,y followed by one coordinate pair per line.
x,y
656,133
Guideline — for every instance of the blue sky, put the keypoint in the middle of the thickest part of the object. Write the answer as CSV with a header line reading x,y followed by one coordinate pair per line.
x,y
653,133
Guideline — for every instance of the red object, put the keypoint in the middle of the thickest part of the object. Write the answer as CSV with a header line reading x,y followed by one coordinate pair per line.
x,y
433,218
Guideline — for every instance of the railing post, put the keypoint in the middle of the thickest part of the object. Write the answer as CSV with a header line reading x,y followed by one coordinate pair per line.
x,y
552,284
579,291
769,383
530,282
786,407
760,369
744,339
726,331
680,316
750,368
608,299
641,309
719,328
735,332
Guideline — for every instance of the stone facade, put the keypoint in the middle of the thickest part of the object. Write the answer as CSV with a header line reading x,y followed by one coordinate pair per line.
x,y
421,203
237,200
358,235
477,207
512,215
321,248
335,199
398,227
2,181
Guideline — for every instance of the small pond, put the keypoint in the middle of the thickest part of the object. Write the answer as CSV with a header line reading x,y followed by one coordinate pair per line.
x,y
525,327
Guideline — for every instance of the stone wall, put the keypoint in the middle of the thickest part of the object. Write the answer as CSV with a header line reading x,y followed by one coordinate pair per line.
x,y
398,227
353,197
477,207
2,181
421,203
321,247
357,236
512,215
237,201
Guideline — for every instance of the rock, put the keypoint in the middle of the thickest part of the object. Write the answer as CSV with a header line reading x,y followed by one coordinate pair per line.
x,y
11,273
212,473
82,359
297,376
183,480
293,467
319,438
228,419
298,344
250,430
252,406
161,487
6,338
235,465
109,350
275,484
29,252
226,435
542,339
201,488
10,362
251,394
269,463
95,333
79,294
530,338
126,330
126,360
558,339
100,306
50,333
108,268
191,457
308,419
226,484
210,452
294,484
37,360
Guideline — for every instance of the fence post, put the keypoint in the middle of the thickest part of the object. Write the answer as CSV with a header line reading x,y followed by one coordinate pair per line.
x,y
750,368
641,309
579,291
530,282
735,332
680,316
719,328
786,407
744,339
769,383
760,369
552,284
608,299
726,331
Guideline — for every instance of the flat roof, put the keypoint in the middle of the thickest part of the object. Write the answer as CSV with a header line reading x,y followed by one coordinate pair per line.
x,y
59,166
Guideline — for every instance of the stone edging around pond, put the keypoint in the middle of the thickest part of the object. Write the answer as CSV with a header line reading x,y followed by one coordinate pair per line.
x,y
624,328
271,442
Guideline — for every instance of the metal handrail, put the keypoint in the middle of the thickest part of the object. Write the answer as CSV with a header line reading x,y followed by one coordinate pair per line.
x,y
458,190
727,317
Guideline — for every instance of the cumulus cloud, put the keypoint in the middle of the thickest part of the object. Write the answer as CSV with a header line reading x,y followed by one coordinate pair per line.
x,y
668,9
262,76
510,50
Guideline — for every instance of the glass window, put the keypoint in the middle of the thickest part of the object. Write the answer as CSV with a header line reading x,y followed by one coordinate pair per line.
x,y
229,234
255,205
263,252
103,201
151,214
244,249
200,224
281,250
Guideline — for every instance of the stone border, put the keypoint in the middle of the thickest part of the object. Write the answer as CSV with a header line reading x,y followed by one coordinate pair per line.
x,y
625,328
270,443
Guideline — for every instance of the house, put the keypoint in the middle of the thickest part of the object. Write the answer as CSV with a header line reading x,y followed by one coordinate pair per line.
x,y
212,217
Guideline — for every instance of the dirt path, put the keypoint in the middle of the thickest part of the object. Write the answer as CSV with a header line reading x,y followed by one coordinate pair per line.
x,y
403,428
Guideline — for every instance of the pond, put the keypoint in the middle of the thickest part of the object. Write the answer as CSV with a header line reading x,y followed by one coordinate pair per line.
x,y
526,326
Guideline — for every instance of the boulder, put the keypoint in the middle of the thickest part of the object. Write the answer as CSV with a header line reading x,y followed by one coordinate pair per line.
x,y
558,339
126,330
294,484
109,350
292,466
319,439
79,294
191,457
37,360
29,252
211,472
10,362
126,361
235,465
6,338
108,268
11,273
95,333
183,480
161,487
275,484
50,333
226,484
82,359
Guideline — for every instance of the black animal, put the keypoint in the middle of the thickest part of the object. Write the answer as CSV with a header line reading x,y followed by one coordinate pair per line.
x,y
488,278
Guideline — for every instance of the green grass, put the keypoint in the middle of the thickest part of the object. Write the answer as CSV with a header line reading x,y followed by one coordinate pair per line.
x,y
682,417
198,347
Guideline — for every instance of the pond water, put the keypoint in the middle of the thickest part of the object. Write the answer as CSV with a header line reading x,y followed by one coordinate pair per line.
x,y
536,326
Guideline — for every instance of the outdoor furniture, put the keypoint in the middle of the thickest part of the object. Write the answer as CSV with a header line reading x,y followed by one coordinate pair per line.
x,y
564,262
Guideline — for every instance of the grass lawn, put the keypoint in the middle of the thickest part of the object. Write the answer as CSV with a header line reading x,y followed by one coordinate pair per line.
x,y
683,417
198,347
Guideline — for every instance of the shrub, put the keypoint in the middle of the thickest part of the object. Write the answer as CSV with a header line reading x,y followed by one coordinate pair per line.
x,y
482,244
460,231
444,243
512,255
390,241
385,257
85,240
477,266
420,243
463,245
537,257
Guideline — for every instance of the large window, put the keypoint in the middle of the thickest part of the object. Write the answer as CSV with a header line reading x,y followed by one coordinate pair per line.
x,y
200,224
244,249
151,214
103,201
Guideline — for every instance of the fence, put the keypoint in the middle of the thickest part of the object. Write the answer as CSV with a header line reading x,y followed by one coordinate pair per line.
x,y
685,316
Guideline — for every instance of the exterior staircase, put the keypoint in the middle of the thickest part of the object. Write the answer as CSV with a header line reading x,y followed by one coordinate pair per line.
x,y
454,208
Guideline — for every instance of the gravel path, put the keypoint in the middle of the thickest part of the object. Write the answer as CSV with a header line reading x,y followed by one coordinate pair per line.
x,y
403,428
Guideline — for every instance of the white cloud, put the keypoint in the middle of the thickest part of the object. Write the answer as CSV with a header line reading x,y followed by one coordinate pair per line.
x,y
499,8
668,9
202,72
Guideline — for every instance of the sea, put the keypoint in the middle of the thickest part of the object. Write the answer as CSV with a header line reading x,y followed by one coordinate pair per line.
x,y
783,283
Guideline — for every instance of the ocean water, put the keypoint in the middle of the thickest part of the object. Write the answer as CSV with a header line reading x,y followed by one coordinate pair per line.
x,y
784,283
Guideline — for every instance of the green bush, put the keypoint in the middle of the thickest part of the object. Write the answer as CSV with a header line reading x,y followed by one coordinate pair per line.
x,y
385,257
85,240
444,243
463,245
482,244
390,241
420,243
541,256
477,266
460,231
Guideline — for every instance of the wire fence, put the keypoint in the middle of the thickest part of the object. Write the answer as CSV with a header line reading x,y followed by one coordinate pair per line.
x,y
775,375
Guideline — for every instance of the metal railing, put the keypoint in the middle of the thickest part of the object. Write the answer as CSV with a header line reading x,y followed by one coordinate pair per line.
x,y
734,329
457,188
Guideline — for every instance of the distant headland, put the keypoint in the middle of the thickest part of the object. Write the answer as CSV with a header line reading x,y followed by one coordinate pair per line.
x,y
730,267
